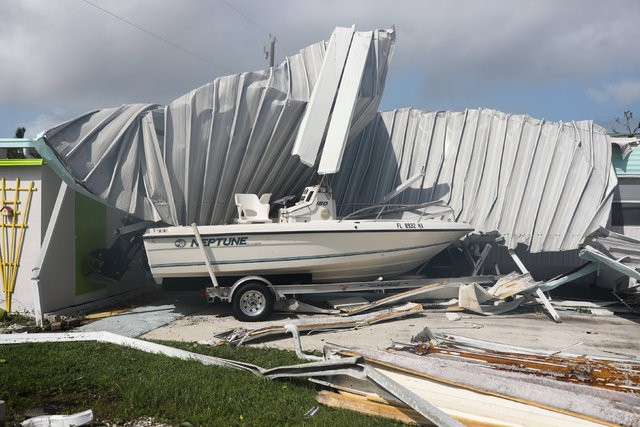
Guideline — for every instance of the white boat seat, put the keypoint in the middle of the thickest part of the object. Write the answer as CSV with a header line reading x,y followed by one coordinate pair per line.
x,y
251,209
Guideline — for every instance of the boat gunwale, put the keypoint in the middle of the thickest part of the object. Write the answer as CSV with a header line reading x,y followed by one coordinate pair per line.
x,y
260,231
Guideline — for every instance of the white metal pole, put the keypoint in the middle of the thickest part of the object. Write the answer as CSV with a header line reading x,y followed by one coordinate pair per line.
x,y
545,301
205,255
400,188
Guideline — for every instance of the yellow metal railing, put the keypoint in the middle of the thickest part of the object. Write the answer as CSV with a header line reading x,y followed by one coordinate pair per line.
x,y
13,222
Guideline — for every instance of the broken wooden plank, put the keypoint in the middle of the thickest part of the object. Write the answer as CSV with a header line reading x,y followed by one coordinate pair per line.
x,y
513,284
363,396
516,397
409,397
488,407
606,374
363,405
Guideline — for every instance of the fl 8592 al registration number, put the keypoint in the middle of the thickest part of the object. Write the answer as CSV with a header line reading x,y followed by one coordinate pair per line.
x,y
410,225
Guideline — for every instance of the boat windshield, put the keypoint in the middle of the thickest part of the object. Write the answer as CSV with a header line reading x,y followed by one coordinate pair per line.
x,y
309,196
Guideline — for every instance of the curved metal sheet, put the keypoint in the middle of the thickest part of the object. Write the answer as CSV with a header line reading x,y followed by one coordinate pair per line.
x,y
542,184
183,163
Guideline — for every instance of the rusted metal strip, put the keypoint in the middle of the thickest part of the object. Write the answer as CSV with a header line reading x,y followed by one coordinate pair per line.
x,y
578,370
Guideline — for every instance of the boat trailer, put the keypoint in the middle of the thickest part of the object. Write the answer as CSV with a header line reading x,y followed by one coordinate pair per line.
x,y
252,297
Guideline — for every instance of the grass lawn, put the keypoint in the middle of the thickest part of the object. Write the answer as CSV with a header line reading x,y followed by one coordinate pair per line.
x,y
122,384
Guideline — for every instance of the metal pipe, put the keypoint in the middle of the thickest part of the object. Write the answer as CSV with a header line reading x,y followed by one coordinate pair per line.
x,y
290,327
205,255
399,189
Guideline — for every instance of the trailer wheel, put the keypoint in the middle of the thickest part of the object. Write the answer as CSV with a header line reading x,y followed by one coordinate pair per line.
x,y
252,302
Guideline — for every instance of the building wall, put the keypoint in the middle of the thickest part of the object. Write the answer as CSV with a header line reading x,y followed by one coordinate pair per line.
x,y
23,297
65,281
624,219
625,209
57,279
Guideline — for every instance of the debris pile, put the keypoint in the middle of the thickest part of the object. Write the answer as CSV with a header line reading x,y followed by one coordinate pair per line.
x,y
473,383
444,380
239,336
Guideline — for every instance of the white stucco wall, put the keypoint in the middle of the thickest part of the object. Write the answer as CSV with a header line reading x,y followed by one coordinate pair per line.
x,y
57,276
23,300
57,284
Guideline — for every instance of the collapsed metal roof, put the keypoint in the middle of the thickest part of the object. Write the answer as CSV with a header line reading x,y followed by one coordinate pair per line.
x,y
626,144
542,184
184,162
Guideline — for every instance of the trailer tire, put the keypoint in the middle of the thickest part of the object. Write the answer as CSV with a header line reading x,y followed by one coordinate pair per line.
x,y
252,302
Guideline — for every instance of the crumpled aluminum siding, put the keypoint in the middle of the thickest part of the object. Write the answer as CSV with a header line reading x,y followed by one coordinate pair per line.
x,y
184,163
622,249
542,184
626,144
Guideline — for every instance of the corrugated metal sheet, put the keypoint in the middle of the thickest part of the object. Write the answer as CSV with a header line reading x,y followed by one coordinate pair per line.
x,y
625,144
542,184
617,251
183,163
318,112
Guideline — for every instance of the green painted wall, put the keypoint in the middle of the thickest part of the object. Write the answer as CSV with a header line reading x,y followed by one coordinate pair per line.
x,y
90,234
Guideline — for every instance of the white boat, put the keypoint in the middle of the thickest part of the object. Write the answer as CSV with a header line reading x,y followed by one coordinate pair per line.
x,y
307,244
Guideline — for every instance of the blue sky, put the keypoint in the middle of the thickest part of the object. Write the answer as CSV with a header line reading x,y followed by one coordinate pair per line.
x,y
554,60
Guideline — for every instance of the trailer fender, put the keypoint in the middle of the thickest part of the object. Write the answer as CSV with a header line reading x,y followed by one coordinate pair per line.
x,y
246,279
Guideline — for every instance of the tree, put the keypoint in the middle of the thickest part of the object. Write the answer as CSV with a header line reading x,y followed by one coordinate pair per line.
x,y
627,124
16,153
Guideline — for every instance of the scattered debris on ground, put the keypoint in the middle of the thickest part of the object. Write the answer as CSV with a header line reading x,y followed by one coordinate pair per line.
x,y
473,384
239,336
78,419
444,378
140,422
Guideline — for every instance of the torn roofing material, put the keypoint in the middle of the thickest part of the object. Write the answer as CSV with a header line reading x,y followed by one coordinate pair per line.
x,y
625,144
497,389
183,163
240,336
617,251
620,375
542,184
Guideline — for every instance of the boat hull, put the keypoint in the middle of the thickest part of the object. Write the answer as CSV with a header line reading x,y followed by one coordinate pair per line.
x,y
330,251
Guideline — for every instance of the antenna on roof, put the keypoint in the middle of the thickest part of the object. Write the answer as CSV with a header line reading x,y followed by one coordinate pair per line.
x,y
272,49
